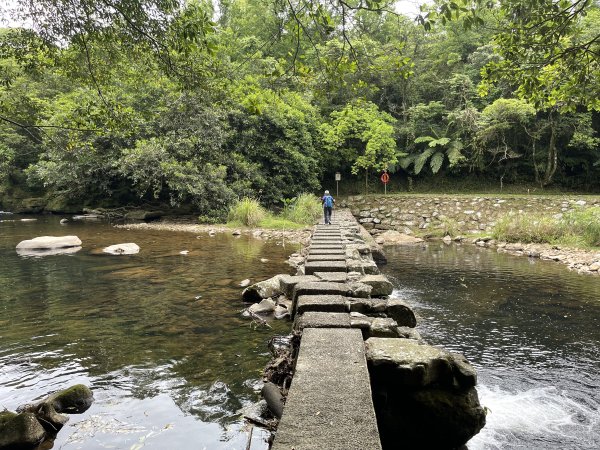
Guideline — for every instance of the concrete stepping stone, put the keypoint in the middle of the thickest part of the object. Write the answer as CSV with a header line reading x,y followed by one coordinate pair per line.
x,y
324,266
287,283
315,319
338,257
334,277
326,240
321,303
329,404
321,246
326,251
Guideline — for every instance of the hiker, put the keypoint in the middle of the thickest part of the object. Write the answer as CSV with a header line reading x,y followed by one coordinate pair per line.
x,y
328,202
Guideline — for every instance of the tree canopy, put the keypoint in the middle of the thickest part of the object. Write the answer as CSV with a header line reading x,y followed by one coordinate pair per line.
x,y
198,102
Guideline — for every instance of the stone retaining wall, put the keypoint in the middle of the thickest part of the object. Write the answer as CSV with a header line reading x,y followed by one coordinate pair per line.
x,y
410,214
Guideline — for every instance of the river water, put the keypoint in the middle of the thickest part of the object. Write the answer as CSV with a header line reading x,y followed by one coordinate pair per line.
x,y
530,327
158,336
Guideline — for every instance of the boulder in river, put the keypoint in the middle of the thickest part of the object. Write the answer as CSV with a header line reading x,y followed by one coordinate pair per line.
x,y
263,289
49,243
32,423
266,306
425,396
128,248
20,430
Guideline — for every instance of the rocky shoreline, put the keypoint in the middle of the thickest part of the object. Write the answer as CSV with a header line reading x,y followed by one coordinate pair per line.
x,y
582,261
301,236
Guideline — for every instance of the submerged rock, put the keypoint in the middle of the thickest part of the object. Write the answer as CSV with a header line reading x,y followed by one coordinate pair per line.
x,y
88,217
129,248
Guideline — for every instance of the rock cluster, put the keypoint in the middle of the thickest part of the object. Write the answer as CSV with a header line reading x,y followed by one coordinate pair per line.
x,y
38,422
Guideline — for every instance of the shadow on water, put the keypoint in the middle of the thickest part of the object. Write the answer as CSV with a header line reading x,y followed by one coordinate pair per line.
x,y
158,335
530,327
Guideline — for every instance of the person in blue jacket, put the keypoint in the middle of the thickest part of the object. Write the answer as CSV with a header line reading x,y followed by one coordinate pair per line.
x,y
328,202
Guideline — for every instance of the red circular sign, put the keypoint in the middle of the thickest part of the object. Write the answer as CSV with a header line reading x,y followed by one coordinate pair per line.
x,y
385,177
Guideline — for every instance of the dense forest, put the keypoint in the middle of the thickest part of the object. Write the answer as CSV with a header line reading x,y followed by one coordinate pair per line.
x,y
198,103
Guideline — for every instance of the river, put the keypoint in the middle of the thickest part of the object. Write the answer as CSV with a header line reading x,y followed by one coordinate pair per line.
x,y
530,327
158,336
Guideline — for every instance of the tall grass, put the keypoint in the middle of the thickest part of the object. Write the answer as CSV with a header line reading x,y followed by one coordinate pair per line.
x,y
247,211
305,209
579,228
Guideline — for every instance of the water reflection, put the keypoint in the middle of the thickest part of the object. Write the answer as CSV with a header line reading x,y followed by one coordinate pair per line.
x,y
157,335
529,326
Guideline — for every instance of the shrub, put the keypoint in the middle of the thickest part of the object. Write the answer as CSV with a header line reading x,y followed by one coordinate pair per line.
x,y
579,228
305,209
527,228
247,211
584,223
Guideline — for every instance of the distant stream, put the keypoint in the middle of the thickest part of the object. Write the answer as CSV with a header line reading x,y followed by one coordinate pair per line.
x,y
530,327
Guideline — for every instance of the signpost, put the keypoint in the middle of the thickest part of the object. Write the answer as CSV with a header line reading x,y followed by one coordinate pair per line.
x,y
338,177
385,179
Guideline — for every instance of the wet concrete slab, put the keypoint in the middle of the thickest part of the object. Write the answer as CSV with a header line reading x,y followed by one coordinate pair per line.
x,y
329,404
324,266
315,319
338,257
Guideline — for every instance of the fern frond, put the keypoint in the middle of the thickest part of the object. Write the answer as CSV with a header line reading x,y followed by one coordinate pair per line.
x,y
422,159
436,162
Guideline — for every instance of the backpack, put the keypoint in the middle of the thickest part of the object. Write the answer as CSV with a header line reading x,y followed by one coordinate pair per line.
x,y
328,199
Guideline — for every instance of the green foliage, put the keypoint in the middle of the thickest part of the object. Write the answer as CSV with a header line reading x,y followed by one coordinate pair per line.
x,y
247,211
360,134
304,209
579,227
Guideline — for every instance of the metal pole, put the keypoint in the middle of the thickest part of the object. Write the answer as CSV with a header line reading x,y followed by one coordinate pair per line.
x,y
337,188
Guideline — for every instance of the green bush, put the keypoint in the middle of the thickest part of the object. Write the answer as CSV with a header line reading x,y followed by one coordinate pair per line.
x,y
247,211
305,209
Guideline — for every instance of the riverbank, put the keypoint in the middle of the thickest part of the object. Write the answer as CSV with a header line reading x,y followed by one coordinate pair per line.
x,y
301,236
410,219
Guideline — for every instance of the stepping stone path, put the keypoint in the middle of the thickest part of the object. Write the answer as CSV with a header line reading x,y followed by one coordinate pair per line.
x,y
339,301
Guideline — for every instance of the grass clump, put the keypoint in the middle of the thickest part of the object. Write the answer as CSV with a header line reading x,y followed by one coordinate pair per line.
x,y
247,211
579,228
304,209
272,222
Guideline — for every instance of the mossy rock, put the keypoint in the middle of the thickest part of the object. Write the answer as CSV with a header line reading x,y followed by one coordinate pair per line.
x,y
73,400
20,431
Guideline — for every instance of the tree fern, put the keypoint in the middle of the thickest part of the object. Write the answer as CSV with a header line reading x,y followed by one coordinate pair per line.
x,y
422,159
436,162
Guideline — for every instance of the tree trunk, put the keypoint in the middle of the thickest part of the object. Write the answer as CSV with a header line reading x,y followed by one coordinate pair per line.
x,y
552,161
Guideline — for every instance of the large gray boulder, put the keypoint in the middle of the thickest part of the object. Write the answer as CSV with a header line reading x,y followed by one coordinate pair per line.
x,y
128,248
263,289
393,237
49,243
424,396
380,284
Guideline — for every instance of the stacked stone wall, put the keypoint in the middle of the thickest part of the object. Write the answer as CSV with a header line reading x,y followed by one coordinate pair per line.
x,y
464,214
